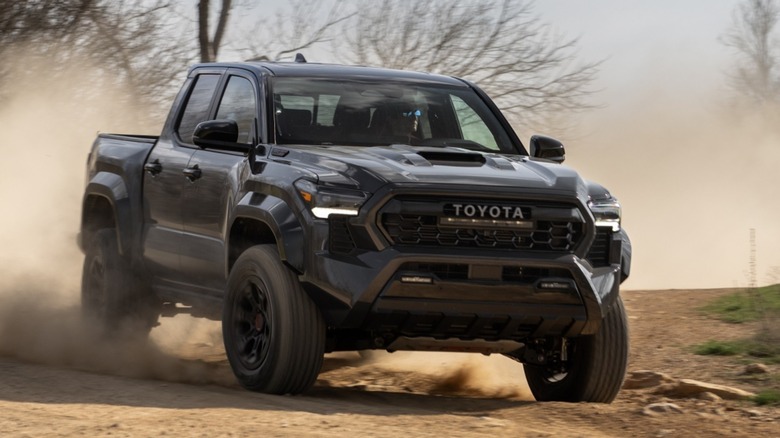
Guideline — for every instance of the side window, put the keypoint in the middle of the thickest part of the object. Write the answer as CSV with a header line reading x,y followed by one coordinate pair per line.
x,y
196,109
472,127
238,103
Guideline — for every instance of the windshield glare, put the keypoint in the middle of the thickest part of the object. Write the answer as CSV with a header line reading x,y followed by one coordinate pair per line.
x,y
311,111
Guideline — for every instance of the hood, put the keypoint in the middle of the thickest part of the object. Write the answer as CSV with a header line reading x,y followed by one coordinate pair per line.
x,y
369,168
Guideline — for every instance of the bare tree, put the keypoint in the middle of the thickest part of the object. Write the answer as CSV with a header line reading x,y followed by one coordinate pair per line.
x,y
209,45
41,21
123,43
130,42
500,44
302,25
752,37
20,21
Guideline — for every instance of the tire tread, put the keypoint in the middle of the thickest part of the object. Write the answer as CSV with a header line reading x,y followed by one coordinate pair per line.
x,y
598,369
294,364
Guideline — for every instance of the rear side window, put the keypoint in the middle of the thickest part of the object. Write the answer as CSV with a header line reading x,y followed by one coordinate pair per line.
x,y
196,109
238,103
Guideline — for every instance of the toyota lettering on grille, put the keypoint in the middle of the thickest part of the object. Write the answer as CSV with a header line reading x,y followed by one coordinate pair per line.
x,y
486,215
488,211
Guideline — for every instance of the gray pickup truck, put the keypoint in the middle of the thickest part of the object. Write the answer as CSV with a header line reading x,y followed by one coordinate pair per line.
x,y
316,208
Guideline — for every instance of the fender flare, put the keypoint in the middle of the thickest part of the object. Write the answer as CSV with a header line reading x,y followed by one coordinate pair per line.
x,y
113,188
281,219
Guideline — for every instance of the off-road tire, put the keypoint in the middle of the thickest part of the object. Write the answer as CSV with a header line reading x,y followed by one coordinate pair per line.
x,y
273,332
596,368
112,293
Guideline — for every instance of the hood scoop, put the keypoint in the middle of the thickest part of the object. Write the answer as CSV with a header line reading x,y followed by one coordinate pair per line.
x,y
461,159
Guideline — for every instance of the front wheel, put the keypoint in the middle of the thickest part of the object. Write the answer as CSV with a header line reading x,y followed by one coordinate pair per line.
x,y
595,368
274,334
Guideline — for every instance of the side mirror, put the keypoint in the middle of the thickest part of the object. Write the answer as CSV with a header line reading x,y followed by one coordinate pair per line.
x,y
219,134
547,148
215,130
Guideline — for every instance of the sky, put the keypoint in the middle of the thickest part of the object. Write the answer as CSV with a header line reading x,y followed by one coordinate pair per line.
x,y
635,36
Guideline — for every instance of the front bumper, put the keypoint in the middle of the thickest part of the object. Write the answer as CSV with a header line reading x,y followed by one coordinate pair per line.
x,y
565,295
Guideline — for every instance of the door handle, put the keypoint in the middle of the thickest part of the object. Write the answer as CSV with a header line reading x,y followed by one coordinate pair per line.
x,y
192,173
154,167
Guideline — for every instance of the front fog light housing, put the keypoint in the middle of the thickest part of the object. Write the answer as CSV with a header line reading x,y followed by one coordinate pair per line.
x,y
606,212
325,201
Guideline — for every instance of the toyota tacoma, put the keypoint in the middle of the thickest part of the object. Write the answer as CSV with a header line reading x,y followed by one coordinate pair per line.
x,y
315,208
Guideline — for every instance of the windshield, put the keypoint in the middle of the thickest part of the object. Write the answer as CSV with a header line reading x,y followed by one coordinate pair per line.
x,y
352,113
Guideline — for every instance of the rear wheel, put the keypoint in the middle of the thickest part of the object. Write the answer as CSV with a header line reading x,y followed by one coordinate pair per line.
x,y
595,367
112,293
273,332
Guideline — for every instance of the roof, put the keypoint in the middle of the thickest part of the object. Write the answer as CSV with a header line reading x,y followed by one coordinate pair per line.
x,y
315,70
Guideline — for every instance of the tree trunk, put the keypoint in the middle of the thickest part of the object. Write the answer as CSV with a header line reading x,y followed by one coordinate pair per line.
x,y
209,47
206,54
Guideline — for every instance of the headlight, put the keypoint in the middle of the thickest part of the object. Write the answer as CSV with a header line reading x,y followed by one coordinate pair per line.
x,y
325,201
606,211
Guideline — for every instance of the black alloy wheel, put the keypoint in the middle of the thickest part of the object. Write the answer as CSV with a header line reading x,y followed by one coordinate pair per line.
x,y
273,332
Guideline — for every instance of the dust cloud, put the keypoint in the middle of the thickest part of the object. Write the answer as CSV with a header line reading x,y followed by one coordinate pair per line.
x,y
47,129
36,328
476,375
452,374
693,175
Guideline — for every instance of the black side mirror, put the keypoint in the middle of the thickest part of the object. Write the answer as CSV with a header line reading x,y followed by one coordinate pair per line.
x,y
219,134
547,148
215,130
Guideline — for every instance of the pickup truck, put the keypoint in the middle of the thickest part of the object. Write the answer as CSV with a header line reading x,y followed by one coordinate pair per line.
x,y
315,208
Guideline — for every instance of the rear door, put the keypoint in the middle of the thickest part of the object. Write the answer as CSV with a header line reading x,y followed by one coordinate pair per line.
x,y
165,182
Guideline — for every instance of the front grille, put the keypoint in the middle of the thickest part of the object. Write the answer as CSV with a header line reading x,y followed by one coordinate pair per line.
x,y
425,230
513,224
599,251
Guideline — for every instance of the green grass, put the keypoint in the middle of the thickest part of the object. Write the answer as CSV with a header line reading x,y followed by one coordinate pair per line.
x,y
756,350
746,306
718,348
768,397
750,350
759,305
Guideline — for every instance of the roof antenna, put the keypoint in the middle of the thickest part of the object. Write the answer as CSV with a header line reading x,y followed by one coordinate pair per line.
x,y
299,57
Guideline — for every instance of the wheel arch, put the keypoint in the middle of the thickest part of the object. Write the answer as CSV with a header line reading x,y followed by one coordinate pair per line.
x,y
266,219
106,204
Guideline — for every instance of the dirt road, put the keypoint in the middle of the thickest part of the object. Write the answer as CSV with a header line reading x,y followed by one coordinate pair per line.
x,y
180,385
